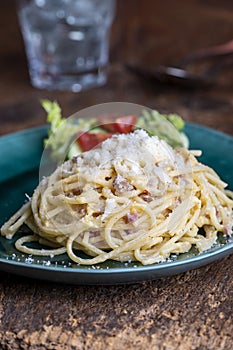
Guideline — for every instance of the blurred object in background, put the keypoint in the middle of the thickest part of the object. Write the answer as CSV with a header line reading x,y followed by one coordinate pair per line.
x,y
67,42
180,74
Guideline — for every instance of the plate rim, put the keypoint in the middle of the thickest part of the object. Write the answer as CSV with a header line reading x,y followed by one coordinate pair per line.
x,y
157,266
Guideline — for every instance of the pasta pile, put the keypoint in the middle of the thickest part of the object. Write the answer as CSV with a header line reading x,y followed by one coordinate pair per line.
x,y
132,199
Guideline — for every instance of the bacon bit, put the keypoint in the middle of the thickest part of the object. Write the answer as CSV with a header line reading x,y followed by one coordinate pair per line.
x,y
131,217
83,211
166,212
95,215
76,191
121,185
217,211
146,192
227,230
146,196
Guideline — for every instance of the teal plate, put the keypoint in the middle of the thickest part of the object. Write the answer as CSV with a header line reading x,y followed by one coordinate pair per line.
x,y
19,174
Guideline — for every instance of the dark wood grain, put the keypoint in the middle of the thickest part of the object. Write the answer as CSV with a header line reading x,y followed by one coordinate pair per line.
x,y
192,310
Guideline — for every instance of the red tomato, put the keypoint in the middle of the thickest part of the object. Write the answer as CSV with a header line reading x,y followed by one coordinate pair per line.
x,y
87,140
123,124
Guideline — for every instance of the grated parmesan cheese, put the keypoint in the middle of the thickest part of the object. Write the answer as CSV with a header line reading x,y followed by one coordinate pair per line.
x,y
140,159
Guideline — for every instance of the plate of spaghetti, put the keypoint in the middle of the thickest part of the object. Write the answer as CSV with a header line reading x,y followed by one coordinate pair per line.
x,y
130,210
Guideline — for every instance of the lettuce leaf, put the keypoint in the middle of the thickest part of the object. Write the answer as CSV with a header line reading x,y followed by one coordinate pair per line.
x,y
168,127
62,131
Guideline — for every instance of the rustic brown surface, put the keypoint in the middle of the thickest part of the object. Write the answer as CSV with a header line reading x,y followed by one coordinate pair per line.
x,y
190,311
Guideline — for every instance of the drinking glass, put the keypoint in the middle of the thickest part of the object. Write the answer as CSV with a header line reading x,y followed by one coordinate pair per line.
x,y
67,42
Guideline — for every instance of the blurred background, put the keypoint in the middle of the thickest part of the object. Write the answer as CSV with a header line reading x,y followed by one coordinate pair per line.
x,y
148,33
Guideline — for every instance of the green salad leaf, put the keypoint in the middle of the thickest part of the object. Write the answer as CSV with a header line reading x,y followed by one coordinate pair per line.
x,y
62,130
167,127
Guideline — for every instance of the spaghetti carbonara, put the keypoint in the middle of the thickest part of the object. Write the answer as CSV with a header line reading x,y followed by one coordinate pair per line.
x,y
133,198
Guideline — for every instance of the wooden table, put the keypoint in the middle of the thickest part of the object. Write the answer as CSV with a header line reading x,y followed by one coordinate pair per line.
x,y
192,310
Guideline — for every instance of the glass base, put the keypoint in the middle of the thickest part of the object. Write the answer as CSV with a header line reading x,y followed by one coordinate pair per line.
x,y
67,82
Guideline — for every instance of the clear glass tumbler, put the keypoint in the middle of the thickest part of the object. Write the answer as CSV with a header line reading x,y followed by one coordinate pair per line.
x,y
67,42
